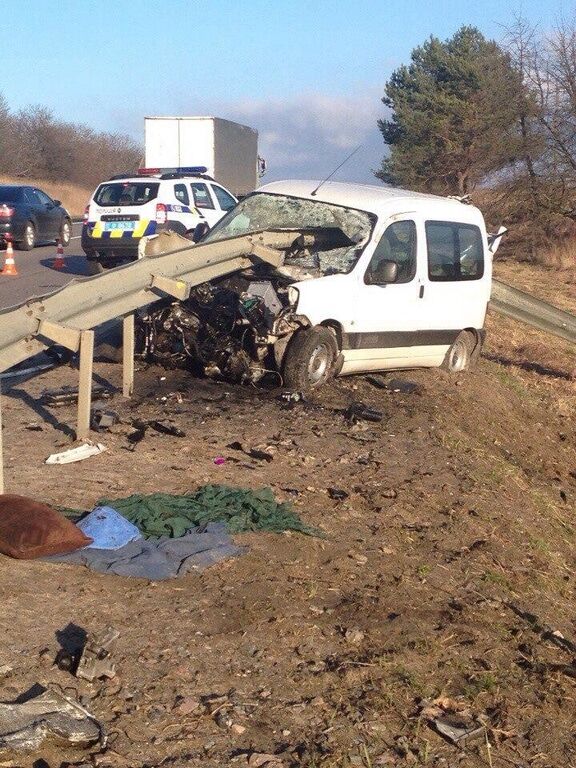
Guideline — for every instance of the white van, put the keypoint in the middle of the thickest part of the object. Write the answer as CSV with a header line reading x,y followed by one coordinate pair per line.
x,y
377,278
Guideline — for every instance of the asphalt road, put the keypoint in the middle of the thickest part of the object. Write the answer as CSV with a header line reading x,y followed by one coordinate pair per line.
x,y
36,276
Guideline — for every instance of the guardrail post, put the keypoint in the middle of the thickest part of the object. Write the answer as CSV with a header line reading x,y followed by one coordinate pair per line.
x,y
85,388
128,355
1,451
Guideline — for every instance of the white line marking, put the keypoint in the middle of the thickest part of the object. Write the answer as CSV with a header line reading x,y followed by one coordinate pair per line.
x,y
76,237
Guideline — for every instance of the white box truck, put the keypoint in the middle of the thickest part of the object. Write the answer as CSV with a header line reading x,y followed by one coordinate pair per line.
x,y
228,150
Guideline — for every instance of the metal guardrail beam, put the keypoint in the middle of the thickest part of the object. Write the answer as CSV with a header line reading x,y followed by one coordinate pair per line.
x,y
86,303
539,314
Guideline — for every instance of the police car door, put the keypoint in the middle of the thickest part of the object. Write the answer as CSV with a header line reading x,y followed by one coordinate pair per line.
x,y
205,203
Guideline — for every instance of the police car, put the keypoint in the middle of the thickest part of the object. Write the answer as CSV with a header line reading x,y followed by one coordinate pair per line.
x,y
127,208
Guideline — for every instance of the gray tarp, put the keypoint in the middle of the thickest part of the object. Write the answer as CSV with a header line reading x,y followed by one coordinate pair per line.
x,y
161,558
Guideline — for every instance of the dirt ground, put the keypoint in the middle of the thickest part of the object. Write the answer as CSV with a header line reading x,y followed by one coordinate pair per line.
x,y
446,574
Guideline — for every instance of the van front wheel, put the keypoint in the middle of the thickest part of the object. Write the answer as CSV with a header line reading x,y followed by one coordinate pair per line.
x,y
310,359
459,356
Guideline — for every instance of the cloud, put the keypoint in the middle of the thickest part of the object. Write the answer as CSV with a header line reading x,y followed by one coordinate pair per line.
x,y
309,135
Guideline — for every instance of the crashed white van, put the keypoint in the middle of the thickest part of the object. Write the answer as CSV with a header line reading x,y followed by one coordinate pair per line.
x,y
376,278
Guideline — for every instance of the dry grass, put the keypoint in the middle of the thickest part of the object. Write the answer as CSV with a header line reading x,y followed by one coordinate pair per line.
x,y
73,198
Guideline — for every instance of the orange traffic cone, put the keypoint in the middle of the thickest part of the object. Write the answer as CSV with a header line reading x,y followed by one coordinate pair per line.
x,y
59,262
9,265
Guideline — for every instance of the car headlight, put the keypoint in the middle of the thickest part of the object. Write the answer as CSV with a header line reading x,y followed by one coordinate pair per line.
x,y
293,295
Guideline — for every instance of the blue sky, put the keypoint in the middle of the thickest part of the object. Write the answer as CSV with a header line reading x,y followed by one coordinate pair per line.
x,y
307,74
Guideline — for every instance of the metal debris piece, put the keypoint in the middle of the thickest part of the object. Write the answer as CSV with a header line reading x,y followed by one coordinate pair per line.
x,y
102,419
452,720
456,731
65,395
360,411
167,429
79,453
50,715
96,660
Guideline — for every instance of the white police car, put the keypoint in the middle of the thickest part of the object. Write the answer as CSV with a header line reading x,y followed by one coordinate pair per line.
x,y
127,208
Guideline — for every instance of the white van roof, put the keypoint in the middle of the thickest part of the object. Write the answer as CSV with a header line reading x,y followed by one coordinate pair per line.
x,y
372,198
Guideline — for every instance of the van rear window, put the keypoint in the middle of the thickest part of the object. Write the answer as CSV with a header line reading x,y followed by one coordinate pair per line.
x,y
126,193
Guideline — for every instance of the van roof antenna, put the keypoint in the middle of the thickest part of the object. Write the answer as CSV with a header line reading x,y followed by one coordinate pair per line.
x,y
313,193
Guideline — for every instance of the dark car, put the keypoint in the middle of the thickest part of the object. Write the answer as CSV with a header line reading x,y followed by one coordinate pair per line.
x,y
29,216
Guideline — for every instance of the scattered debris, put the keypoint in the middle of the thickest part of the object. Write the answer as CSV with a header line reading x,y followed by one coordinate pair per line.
x,y
360,411
96,661
452,719
167,429
65,395
219,460
256,453
102,419
14,374
337,494
377,381
27,725
81,452
403,386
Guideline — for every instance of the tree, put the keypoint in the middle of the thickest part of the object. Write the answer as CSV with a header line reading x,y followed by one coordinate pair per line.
x,y
454,116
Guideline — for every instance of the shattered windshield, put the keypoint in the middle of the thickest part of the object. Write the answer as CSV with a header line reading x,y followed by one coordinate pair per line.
x,y
345,230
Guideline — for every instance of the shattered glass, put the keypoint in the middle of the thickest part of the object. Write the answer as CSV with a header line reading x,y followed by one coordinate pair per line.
x,y
342,232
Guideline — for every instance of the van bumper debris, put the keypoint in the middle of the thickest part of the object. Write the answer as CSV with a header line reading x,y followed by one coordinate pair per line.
x,y
50,715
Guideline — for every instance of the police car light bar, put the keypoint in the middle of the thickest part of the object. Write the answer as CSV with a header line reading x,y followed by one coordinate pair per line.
x,y
193,169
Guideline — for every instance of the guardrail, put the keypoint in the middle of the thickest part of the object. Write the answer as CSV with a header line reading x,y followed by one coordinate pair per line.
x,y
539,314
67,317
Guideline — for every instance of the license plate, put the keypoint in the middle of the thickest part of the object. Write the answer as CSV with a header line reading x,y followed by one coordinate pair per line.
x,y
123,225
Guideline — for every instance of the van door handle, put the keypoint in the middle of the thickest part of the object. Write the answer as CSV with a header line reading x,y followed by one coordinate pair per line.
x,y
421,294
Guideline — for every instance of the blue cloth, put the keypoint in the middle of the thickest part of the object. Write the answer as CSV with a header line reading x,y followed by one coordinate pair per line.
x,y
108,529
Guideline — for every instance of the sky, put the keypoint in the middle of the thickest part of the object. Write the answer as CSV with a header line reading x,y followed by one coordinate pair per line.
x,y
309,75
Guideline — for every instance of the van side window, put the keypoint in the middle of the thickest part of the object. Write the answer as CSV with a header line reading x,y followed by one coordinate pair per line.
x,y
181,194
455,251
397,244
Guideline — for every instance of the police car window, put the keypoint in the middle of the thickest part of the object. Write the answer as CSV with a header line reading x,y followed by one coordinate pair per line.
x,y
181,194
202,197
397,244
225,201
455,251
126,193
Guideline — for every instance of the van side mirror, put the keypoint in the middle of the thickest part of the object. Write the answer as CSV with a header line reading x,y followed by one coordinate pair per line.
x,y
386,272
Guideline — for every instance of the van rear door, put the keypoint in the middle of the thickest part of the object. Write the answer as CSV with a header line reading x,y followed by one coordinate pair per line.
x,y
457,279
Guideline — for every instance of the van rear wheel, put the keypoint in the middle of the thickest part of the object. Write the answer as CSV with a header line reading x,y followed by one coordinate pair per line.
x,y
310,359
459,356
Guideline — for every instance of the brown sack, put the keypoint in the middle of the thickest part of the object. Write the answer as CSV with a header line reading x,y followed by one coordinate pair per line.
x,y
29,529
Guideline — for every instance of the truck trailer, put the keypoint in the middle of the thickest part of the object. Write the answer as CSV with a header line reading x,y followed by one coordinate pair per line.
x,y
228,150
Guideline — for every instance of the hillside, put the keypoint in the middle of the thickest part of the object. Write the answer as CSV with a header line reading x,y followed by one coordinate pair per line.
x,y
446,573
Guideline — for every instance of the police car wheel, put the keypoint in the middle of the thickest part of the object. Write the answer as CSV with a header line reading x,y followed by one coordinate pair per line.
x,y
95,267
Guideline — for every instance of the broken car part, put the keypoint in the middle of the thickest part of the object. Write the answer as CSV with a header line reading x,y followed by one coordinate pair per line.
x,y
51,715
359,411
96,660
79,453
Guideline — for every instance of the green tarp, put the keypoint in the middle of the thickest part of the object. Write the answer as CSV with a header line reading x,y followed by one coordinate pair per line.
x,y
164,514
